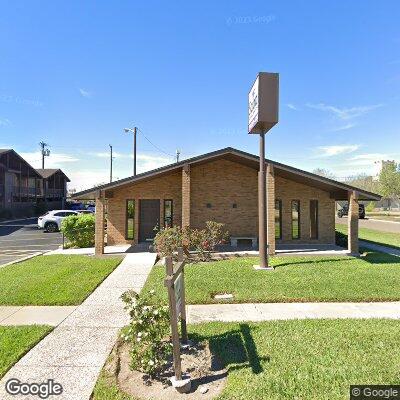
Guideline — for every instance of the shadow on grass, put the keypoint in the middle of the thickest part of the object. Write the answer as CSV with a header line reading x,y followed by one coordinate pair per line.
x,y
370,256
376,257
310,262
235,349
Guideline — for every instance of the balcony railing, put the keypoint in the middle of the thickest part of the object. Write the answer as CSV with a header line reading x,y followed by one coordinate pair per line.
x,y
32,192
23,191
52,193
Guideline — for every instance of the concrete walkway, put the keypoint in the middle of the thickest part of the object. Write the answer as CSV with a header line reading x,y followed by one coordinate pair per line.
x,y
74,353
284,311
34,315
382,249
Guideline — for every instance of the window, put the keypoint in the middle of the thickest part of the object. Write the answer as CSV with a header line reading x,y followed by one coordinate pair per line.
x,y
295,219
130,220
168,213
278,219
313,219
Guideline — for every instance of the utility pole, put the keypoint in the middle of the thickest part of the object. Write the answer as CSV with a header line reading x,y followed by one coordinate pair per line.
x,y
178,153
134,131
111,163
134,150
45,151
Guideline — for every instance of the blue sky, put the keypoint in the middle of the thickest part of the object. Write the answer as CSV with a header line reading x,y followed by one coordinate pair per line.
x,y
74,74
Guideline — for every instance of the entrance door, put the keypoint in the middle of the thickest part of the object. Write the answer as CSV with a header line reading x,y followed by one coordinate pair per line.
x,y
149,219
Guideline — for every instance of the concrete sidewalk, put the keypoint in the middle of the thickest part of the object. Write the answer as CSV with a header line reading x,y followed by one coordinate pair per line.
x,y
283,311
378,247
74,353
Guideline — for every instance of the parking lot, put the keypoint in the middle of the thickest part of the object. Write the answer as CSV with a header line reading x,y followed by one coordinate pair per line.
x,y
22,238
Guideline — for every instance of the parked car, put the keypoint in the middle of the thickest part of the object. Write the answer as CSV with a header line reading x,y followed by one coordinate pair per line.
x,y
85,212
51,221
76,206
91,207
345,211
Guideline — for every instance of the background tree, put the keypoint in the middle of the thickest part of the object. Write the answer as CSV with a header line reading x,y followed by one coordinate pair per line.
x,y
389,181
324,172
365,182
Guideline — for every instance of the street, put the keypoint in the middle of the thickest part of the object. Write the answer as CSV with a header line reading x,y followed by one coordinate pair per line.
x,y
383,226
22,238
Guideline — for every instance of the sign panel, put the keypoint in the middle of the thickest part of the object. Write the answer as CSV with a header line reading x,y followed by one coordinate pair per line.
x,y
178,289
263,103
253,105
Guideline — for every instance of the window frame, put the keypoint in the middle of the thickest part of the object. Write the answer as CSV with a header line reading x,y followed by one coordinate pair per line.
x,y
298,219
128,218
316,220
279,201
172,212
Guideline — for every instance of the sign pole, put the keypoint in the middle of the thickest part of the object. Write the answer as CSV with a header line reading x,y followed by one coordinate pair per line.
x,y
174,324
263,103
183,301
262,206
176,296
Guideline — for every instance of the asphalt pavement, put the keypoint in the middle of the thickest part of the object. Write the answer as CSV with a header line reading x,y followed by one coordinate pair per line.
x,y
371,223
21,238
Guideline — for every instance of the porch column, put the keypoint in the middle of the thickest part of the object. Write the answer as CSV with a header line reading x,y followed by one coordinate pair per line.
x,y
352,222
185,195
271,209
99,225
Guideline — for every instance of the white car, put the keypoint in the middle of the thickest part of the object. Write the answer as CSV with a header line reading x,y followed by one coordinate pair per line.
x,y
51,221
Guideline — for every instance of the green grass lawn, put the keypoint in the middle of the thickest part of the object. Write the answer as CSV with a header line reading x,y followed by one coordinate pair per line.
x,y
15,341
309,359
53,280
385,238
375,277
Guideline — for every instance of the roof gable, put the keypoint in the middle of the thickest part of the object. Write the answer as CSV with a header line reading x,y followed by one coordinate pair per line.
x,y
336,188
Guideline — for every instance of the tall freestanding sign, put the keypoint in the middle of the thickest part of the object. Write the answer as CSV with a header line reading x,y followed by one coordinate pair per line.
x,y
263,115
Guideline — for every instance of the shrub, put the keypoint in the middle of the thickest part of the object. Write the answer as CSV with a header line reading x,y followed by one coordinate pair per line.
x,y
168,240
6,213
148,333
203,241
341,239
79,230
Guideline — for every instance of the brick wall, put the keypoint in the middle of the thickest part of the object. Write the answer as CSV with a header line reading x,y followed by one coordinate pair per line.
x,y
287,191
163,187
222,184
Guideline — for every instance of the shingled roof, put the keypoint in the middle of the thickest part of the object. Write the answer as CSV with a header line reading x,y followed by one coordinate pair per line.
x,y
49,172
338,190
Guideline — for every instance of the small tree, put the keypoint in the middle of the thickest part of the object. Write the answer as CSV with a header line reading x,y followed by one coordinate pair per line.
x,y
389,181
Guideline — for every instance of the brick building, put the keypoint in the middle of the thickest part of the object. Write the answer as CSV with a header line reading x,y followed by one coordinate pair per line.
x,y
22,187
222,186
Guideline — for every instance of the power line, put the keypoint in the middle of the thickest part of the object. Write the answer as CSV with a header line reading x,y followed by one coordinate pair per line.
x,y
155,146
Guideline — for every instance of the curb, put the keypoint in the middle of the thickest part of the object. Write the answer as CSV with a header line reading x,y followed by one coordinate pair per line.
x,y
384,220
16,220
22,259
